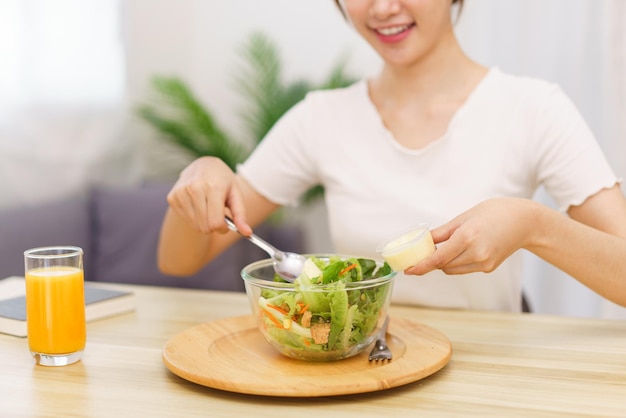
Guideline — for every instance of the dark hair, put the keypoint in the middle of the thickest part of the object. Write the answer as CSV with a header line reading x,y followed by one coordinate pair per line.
x,y
459,2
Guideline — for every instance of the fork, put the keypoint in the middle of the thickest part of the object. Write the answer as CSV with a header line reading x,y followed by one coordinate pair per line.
x,y
381,351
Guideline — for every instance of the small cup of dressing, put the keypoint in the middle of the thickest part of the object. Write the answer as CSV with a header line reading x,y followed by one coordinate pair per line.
x,y
409,248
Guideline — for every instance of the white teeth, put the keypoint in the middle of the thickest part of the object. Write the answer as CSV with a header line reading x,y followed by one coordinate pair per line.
x,y
393,31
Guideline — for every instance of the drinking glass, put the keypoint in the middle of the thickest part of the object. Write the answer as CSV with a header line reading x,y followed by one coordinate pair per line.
x,y
55,304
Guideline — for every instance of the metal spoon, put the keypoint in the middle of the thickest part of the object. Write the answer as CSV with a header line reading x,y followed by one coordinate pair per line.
x,y
287,265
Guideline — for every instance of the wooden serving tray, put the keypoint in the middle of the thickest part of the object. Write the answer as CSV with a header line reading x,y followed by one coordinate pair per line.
x,y
232,355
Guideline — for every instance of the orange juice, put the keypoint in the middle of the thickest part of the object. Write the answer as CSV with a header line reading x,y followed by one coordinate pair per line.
x,y
55,310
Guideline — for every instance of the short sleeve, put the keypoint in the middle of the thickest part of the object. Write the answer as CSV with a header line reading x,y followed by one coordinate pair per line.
x,y
569,161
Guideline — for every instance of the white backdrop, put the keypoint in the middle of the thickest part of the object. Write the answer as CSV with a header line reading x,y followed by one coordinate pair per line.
x,y
62,113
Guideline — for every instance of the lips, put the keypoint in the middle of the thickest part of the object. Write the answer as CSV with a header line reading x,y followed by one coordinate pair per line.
x,y
394,33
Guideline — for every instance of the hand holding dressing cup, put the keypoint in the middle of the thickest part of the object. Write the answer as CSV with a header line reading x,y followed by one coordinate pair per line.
x,y
409,248
55,304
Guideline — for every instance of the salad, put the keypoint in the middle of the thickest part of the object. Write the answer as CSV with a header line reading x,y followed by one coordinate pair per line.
x,y
327,311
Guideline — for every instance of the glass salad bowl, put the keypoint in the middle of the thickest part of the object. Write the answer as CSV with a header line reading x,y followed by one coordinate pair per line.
x,y
332,311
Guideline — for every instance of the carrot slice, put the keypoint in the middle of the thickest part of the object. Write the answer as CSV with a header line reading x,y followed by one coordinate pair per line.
x,y
273,318
278,308
347,269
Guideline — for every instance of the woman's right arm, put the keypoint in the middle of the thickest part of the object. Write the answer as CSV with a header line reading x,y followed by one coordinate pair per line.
x,y
193,231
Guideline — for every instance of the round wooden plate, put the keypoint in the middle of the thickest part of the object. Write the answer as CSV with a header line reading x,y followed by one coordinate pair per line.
x,y
231,354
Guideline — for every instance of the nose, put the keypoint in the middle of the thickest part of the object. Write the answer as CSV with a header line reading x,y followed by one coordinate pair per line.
x,y
382,9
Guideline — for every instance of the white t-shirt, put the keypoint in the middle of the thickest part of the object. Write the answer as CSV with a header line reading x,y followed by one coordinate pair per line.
x,y
511,136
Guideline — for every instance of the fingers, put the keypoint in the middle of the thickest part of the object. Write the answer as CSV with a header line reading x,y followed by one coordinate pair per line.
x,y
451,260
205,192
216,196
237,210
459,251
441,233
447,252
189,202
444,232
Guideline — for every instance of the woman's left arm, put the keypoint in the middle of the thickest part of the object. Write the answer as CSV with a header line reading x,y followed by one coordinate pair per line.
x,y
589,245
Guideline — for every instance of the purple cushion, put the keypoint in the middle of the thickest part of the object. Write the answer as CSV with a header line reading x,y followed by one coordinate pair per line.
x,y
64,222
126,225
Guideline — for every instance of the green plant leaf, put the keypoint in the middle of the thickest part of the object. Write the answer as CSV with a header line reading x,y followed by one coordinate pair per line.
x,y
259,82
187,122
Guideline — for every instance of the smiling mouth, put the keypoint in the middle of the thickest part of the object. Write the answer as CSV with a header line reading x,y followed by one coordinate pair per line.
x,y
395,30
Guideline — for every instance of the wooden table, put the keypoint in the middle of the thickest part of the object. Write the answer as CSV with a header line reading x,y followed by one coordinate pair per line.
x,y
502,365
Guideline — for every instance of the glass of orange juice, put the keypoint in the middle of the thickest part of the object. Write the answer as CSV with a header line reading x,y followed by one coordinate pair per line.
x,y
55,304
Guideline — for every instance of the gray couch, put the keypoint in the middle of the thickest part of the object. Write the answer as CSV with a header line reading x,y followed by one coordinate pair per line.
x,y
118,229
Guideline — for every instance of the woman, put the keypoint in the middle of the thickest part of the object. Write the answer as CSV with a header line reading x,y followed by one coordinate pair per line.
x,y
434,137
